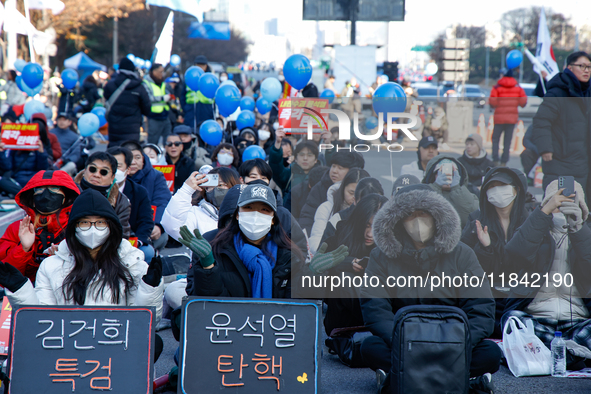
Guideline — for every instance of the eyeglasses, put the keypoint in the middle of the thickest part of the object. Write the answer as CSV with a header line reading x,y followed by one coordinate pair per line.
x,y
85,225
176,143
41,189
584,67
102,171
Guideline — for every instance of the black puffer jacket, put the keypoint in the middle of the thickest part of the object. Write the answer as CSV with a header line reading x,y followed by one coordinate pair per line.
x,y
316,197
125,117
396,255
562,126
531,251
476,167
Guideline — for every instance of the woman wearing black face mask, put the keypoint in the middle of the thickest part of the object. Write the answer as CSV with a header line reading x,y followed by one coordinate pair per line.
x,y
47,200
203,215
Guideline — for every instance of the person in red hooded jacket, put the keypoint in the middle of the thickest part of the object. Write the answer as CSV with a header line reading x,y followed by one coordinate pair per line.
x,y
505,96
47,200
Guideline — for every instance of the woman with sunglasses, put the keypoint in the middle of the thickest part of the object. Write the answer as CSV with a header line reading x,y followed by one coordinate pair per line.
x,y
201,214
183,165
93,266
47,200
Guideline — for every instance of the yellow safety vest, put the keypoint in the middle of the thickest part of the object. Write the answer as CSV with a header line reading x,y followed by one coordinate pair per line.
x,y
161,106
193,97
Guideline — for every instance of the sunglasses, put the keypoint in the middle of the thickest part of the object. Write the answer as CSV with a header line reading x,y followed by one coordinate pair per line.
x,y
53,189
102,171
176,143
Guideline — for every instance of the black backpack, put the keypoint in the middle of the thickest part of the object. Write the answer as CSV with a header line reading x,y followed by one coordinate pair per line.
x,y
431,350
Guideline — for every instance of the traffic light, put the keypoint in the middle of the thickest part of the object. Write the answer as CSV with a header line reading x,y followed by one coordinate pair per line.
x,y
391,70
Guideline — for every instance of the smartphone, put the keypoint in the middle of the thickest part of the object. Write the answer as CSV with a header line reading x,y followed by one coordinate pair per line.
x,y
212,180
447,169
363,262
568,183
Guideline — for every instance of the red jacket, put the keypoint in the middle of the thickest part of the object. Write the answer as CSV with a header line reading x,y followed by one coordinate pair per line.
x,y
50,229
505,96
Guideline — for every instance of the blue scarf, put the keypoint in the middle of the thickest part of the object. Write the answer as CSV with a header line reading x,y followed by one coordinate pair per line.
x,y
259,265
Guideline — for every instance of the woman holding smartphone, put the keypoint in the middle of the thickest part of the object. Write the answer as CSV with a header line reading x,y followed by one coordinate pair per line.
x,y
180,211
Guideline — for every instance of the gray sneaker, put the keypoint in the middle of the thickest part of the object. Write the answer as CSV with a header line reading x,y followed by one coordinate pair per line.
x,y
381,378
482,384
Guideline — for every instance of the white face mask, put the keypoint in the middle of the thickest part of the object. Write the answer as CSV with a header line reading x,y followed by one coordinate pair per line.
x,y
254,225
223,78
276,125
264,135
559,221
92,238
281,78
153,161
420,229
501,196
225,159
120,176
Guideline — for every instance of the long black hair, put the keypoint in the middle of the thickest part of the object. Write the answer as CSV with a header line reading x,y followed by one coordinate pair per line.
x,y
352,232
106,267
353,176
278,235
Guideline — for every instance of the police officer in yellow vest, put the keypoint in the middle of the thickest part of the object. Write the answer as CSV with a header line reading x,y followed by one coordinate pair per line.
x,y
158,121
196,107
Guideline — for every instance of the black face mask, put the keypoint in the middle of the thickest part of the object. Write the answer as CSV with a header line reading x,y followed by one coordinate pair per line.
x,y
187,146
48,202
216,196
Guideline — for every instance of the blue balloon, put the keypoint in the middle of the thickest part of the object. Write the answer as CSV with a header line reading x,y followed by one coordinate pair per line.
x,y
147,64
297,71
329,94
389,97
32,75
211,132
263,106
88,124
253,152
19,64
247,103
131,57
271,89
100,112
29,91
69,78
245,119
371,123
227,99
33,107
175,60
514,58
192,76
208,85
228,82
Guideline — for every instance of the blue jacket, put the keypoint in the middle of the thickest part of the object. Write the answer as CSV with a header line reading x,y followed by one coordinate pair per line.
x,y
156,186
24,164
67,138
140,218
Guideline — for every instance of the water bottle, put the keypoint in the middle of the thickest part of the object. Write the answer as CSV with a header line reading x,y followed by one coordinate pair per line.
x,y
558,356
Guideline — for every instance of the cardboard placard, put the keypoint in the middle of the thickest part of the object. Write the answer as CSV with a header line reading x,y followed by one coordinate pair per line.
x,y
296,113
245,345
133,242
168,172
20,136
5,316
154,207
81,349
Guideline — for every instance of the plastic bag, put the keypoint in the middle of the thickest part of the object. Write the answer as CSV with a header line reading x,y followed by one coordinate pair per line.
x,y
526,354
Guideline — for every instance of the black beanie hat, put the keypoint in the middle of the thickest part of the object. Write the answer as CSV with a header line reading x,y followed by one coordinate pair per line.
x,y
92,203
126,64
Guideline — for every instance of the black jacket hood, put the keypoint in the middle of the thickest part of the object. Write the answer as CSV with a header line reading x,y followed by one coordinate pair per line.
x,y
388,234
516,175
430,170
92,203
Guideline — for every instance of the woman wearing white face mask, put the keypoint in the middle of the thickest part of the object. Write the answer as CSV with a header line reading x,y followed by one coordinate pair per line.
x,y
502,211
225,155
94,265
251,257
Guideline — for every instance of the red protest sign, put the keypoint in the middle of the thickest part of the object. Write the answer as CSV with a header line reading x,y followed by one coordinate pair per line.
x,y
296,113
168,172
20,136
5,316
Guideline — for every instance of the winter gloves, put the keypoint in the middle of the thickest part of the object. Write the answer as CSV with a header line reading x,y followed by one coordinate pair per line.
x,y
11,278
574,215
154,274
198,245
325,261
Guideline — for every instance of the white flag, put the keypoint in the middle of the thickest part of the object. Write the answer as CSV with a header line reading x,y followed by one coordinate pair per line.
x,y
164,44
544,52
